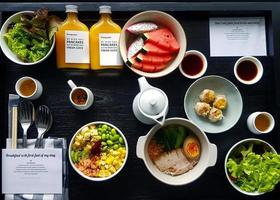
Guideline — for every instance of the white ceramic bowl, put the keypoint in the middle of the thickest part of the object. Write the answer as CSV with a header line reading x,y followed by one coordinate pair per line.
x,y
207,159
258,65
204,61
249,140
165,20
97,178
7,51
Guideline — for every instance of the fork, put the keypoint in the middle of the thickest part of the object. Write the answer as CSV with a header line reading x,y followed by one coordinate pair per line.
x,y
43,122
26,118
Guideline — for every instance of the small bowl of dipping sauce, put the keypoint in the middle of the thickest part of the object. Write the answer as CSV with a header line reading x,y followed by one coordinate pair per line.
x,y
248,70
260,122
194,64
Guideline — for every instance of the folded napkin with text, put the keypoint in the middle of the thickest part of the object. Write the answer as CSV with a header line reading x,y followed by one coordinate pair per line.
x,y
49,143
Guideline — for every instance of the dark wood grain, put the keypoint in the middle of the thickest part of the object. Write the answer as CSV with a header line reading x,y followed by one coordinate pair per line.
x,y
114,96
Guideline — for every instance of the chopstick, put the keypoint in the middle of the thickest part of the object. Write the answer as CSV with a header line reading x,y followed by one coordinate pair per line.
x,y
14,126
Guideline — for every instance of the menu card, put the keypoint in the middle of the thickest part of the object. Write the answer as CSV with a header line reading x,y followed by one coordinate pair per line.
x,y
31,171
238,36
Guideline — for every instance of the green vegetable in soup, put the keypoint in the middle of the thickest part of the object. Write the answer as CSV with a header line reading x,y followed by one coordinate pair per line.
x,y
252,171
171,136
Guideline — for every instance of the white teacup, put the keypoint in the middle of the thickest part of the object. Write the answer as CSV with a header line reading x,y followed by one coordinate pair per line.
x,y
204,64
29,88
257,63
80,97
251,122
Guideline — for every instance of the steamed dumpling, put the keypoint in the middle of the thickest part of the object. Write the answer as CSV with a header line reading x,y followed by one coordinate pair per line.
x,y
215,115
202,109
220,102
207,96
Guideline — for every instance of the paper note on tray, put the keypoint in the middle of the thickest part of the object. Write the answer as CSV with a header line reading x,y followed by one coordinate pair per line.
x,y
238,36
32,171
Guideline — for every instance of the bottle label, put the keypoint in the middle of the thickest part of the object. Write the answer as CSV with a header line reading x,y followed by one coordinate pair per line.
x,y
76,47
109,49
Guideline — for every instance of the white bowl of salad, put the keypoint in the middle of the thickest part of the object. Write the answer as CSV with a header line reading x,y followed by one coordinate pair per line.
x,y
27,37
252,167
98,151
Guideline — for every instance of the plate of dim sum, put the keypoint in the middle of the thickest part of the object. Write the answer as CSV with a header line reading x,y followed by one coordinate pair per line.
x,y
213,103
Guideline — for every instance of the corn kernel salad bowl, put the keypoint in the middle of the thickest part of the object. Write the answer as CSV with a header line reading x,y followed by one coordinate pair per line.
x,y
98,151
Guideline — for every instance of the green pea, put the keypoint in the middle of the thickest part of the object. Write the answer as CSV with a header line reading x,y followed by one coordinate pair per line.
x,y
109,128
111,137
103,143
109,142
116,137
103,137
121,140
107,136
104,126
113,131
116,146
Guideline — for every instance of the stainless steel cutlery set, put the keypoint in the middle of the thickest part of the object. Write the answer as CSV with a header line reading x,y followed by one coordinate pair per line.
x,y
42,118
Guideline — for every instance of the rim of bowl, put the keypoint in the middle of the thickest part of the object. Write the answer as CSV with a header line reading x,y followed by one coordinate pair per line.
x,y
256,193
214,76
151,133
160,73
2,40
97,179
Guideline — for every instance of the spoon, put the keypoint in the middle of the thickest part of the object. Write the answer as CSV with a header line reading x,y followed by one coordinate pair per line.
x,y
43,122
26,118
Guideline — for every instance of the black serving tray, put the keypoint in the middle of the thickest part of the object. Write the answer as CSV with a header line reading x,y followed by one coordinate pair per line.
x,y
114,96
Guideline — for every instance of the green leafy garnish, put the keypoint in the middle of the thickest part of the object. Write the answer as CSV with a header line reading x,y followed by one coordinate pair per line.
x,y
252,171
171,137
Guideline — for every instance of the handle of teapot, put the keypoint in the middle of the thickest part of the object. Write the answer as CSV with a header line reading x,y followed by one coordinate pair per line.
x,y
161,119
143,84
71,84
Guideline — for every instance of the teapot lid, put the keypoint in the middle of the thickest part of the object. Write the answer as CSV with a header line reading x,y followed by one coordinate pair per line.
x,y
152,101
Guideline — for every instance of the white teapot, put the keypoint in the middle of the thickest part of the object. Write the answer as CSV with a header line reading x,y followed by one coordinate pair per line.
x,y
150,106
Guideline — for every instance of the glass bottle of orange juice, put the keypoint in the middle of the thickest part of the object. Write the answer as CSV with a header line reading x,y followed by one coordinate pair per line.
x,y
104,42
72,42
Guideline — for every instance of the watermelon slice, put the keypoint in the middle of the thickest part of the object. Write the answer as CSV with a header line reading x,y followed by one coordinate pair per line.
x,y
142,27
145,67
135,47
152,49
162,38
146,58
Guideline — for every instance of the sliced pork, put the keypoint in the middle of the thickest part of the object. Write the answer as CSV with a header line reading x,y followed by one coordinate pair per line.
x,y
174,162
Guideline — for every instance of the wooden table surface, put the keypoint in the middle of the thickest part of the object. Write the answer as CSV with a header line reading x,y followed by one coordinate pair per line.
x,y
113,103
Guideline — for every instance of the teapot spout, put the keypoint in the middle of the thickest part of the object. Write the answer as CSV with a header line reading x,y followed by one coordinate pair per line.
x,y
143,84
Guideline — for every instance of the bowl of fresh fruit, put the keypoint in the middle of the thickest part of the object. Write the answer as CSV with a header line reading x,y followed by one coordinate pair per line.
x,y
98,151
152,43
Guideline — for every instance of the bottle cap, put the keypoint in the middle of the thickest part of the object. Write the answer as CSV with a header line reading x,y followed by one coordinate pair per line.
x,y
71,8
105,9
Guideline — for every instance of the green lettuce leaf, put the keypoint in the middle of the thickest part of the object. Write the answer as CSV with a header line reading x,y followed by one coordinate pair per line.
x,y
254,172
